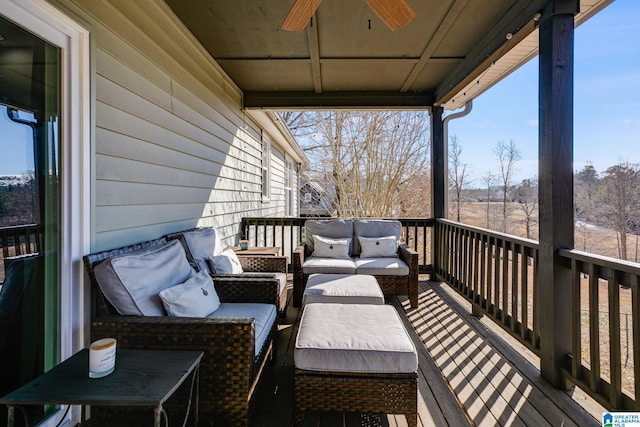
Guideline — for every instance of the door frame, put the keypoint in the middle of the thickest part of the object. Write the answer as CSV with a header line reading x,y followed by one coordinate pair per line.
x,y
53,26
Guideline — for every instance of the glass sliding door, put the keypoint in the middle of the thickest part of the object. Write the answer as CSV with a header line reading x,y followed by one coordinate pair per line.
x,y
29,208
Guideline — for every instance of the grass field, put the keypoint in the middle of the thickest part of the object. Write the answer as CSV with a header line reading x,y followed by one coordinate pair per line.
x,y
587,238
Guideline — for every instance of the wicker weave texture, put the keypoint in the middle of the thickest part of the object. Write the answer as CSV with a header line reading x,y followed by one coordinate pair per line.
x,y
250,264
347,392
390,285
229,369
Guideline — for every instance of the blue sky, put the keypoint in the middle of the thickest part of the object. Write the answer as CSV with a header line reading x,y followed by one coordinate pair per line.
x,y
606,102
606,105
16,152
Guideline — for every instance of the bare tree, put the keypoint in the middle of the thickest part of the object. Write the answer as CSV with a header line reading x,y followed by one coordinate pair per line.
x,y
507,154
621,185
301,123
489,179
527,198
585,183
369,160
458,173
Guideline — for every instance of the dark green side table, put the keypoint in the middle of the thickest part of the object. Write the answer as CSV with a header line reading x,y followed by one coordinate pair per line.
x,y
143,378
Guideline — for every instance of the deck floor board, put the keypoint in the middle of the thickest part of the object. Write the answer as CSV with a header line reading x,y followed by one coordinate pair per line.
x,y
468,375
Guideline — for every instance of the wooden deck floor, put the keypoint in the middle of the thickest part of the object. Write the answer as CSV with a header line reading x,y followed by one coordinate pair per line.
x,y
469,374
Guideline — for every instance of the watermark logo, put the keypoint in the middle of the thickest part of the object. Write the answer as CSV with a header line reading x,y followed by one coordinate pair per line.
x,y
621,419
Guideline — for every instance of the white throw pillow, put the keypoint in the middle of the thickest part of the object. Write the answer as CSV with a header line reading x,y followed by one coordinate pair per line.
x,y
325,247
227,263
378,247
196,297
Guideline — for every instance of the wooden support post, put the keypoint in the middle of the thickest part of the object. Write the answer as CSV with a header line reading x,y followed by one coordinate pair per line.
x,y
439,181
553,291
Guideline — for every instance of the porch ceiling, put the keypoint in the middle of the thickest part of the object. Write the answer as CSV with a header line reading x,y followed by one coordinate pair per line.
x,y
447,51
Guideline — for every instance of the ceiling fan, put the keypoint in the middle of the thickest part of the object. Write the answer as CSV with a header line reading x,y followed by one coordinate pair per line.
x,y
394,13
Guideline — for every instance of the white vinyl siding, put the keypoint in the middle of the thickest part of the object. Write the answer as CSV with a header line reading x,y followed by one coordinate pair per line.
x,y
173,149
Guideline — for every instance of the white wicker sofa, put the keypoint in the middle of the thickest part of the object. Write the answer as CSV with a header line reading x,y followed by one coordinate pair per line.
x,y
357,246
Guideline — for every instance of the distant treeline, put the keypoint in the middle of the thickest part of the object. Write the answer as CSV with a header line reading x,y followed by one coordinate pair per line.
x,y
17,200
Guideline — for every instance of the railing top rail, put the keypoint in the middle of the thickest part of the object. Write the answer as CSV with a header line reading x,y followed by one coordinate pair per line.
x,y
491,233
602,261
18,227
427,222
304,218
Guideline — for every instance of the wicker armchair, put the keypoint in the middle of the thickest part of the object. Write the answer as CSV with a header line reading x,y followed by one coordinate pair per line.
x,y
229,370
259,272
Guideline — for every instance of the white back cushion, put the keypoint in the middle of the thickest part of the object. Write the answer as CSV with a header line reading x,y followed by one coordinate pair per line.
x,y
226,263
132,282
201,245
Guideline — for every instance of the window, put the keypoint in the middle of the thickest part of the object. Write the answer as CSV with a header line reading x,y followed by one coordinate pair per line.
x,y
288,187
266,167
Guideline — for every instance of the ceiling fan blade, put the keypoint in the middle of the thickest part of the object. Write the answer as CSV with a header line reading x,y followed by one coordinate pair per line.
x,y
300,14
395,13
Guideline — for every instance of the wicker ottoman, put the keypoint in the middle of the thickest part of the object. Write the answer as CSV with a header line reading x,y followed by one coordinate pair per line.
x,y
342,288
354,358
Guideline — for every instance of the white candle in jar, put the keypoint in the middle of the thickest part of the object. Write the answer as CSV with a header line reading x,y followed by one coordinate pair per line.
x,y
102,357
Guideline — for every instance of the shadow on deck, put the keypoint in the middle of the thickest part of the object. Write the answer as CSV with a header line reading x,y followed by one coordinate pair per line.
x,y
470,373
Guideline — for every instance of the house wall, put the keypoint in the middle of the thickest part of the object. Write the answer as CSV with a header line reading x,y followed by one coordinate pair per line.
x,y
172,148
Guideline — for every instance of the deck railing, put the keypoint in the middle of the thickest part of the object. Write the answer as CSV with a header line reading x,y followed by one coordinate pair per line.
x,y
19,240
288,232
602,361
496,272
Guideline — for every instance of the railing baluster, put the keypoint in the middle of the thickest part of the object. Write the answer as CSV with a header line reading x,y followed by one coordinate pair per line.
x,y
535,339
615,351
594,330
576,320
524,302
514,287
635,324
483,271
476,254
497,279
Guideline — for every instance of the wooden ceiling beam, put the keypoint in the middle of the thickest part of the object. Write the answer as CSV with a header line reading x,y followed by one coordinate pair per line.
x,y
314,53
337,100
438,36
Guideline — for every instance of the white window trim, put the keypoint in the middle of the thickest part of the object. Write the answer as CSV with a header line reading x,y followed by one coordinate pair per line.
x,y
266,167
288,186
52,25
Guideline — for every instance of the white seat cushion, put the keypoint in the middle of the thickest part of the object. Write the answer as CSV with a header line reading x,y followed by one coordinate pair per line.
x,y
342,288
313,265
381,266
353,338
264,315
